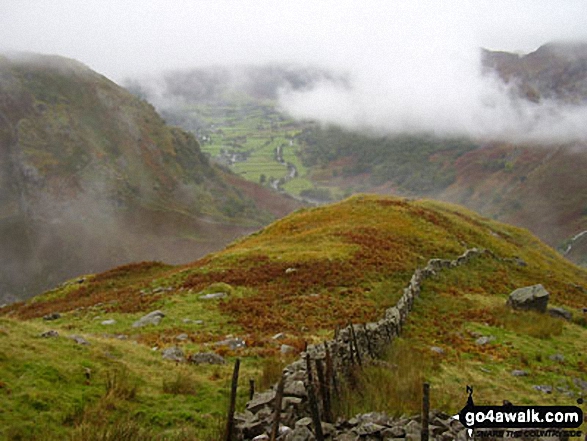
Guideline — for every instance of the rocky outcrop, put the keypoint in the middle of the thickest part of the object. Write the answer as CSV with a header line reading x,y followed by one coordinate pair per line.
x,y
351,345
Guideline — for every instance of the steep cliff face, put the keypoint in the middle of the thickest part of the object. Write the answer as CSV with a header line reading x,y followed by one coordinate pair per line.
x,y
91,176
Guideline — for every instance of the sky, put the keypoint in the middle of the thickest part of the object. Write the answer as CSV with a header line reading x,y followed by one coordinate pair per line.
x,y
414,64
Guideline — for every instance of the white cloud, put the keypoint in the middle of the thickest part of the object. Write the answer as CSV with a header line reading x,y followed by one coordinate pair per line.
x,y
413,63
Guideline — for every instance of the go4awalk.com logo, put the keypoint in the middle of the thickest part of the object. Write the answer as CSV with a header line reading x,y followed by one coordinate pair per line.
x,y
512,421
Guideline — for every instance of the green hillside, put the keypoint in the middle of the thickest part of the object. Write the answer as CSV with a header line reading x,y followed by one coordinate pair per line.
x,y
300,276
92,177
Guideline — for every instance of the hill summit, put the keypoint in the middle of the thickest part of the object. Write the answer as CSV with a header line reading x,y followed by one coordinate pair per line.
x,y
294,282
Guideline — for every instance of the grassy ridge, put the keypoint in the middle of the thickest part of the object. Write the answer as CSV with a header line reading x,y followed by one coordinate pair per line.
x,y
314,270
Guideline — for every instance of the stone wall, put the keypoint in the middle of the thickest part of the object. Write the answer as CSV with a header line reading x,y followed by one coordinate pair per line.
x,y
352,345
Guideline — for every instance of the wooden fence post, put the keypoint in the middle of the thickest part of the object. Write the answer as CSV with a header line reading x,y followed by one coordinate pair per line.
x,y
313,402
425,411
277,408
324,391
354,336
231,409
369,347
330,372
251,389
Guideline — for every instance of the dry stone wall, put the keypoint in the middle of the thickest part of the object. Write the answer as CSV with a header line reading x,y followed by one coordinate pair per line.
x,y
354,344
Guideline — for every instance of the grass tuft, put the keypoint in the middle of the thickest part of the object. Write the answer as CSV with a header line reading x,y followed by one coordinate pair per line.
x,y
394,386
531,323
182,384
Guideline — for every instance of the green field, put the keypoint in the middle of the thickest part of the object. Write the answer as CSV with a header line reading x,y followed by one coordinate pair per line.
x,y
245,134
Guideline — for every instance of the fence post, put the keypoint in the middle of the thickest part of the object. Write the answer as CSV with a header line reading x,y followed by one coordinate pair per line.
x,y
369,347
251,388
277,409
330,371
313,402
425,411
324,391
354,338
231,409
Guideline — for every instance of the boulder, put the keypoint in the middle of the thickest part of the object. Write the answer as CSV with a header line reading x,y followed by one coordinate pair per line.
x,y
481,341
214,296
52,316
152,318
232,343
533,298
174,354
544,388
79,340
560,313
206,358
50,334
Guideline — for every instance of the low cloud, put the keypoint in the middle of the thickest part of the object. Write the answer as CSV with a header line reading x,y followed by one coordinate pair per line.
x,y
412,65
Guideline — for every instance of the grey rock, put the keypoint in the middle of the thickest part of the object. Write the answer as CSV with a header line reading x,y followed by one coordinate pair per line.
x,y
519,373
174,354
328,429
557,357
231,343
108,322
290,401
437,349
369,428
152,318
182,337
279,336
262,437
533,297
301,433
305,422
79,340
214,296
481,341
295,389
252,428
393,432
543,388
52,316
50,334
260,400
206,358
580,383
560,313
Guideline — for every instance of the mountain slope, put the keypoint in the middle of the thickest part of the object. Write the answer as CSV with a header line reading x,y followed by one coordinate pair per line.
x,y
303,276
91,177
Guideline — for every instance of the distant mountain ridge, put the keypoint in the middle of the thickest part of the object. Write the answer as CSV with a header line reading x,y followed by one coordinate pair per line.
x,y
91,177
554,71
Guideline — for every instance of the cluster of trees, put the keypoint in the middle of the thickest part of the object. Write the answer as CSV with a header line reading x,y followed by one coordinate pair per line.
x,y
414,163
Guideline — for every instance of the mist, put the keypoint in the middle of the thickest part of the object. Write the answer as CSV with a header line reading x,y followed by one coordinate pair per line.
x,y
412,66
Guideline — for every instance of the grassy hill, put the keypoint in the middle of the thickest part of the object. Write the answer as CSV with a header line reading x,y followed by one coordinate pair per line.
x,y
301,276
92,177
